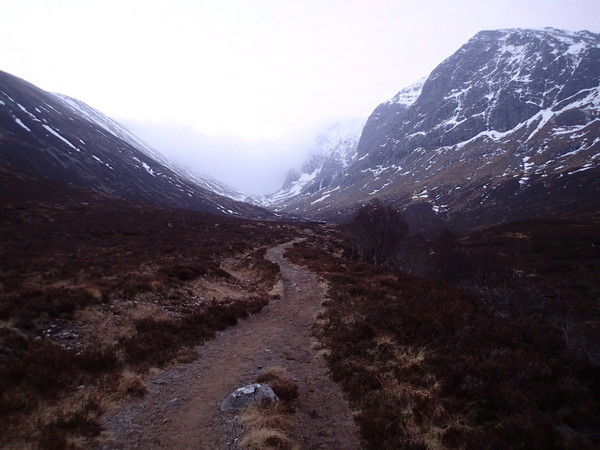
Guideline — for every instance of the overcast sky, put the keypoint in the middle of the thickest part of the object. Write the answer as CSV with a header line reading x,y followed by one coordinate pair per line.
x,y
235,87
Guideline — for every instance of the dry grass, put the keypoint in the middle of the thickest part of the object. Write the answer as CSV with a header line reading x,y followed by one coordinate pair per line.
x,y
95,292
116,344
268,438
427,366
277,291
68,422
284,387
132,384
272,425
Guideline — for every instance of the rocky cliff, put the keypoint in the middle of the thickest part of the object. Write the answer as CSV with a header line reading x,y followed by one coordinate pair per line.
x,y
506,128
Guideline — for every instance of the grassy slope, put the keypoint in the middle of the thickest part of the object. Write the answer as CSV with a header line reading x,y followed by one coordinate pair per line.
x,y
428,366
95,291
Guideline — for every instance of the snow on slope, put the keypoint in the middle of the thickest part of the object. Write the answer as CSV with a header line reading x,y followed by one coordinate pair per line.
x,y
214,185
408,95
336,150
509,110
114,127
64,139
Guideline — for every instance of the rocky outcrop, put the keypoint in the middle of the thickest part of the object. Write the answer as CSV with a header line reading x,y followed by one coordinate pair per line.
x,y
512,115
496,81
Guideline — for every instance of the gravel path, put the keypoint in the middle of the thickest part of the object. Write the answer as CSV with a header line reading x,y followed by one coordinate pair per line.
x,y
181,411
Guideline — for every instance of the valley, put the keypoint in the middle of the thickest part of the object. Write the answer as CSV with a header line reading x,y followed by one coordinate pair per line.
x,y
125,325
97,291
426,279
279,336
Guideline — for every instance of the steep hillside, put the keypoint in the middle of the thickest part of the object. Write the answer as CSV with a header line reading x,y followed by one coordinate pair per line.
x,y
335,150
506,128
66,140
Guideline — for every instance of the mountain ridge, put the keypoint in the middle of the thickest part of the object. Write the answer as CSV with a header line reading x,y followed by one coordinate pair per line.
x,y
335,150
65,139
510,111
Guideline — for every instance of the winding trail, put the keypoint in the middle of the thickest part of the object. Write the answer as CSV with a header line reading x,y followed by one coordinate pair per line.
x,y
181,411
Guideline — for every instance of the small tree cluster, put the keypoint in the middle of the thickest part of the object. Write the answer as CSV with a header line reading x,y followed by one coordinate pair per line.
x,y
376,231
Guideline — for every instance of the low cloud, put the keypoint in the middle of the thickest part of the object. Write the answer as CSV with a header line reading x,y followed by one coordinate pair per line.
x,y
255,167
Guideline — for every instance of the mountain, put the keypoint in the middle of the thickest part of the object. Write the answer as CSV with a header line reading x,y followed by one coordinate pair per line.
x,y
507,128
335,150
218,187
66,140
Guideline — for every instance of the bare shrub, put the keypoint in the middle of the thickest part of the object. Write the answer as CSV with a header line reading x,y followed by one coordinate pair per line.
x,y
413,255
375,232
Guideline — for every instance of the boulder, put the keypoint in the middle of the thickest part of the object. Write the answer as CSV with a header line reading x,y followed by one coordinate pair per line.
x,y
247,396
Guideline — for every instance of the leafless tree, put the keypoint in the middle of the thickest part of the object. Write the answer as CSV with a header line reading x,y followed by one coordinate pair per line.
x,y
376,231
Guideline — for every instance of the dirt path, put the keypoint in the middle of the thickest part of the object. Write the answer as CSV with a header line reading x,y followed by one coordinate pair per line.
x,y
181,411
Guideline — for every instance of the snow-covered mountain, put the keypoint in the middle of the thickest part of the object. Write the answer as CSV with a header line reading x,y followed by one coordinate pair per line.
x,y
64,139
506,128
218,187
203,180
335,149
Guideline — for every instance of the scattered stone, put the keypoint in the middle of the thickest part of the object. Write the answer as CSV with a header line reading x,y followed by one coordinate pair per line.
x,y
174,402
247,396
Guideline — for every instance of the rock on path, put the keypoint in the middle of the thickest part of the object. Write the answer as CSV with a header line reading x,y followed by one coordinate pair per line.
x,y
182,409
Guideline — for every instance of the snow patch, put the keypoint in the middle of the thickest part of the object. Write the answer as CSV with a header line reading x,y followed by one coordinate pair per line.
x,y
375,191
422,194
22,124
321,199
574,49
408,95
55,133
545,115
149,170
527,166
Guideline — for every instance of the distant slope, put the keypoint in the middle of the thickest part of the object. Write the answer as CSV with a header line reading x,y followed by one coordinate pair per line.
x,y
64,139
506,128
336,149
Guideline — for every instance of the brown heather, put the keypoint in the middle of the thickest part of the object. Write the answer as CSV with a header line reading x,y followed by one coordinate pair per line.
x,y
96,291
427,365
272,425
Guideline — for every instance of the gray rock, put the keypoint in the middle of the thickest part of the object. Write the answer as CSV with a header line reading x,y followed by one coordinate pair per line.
x,y
174,402
247,396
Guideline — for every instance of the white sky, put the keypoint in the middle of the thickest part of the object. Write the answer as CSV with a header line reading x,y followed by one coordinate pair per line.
x,y
245,75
